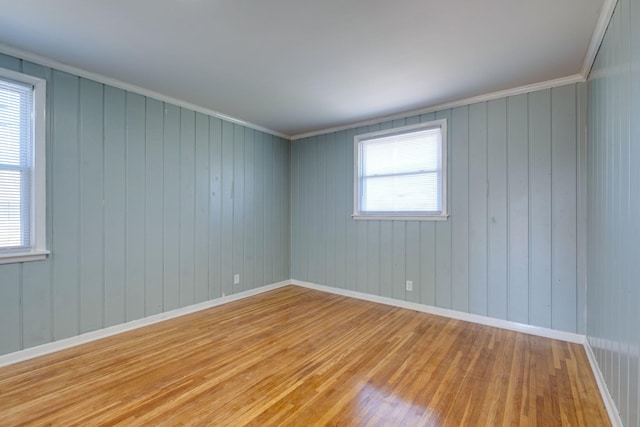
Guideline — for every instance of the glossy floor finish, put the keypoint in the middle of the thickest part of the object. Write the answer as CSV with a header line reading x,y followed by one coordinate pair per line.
x,y
509,249
296,356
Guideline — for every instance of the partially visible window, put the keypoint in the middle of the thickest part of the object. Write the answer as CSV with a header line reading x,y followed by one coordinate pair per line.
x,y
22,167
401,173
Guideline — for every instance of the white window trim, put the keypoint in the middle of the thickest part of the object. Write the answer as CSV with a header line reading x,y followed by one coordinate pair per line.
x,y
442,216
39,194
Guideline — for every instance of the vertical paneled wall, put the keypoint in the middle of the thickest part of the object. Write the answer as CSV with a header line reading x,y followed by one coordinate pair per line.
x,y
508,249
613,303
150,207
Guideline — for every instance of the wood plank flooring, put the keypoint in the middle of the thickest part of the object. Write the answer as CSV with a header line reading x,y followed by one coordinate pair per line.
x,y
300,357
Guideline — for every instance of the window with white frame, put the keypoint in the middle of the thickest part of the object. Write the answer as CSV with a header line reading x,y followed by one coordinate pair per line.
x,y
22,167
401,173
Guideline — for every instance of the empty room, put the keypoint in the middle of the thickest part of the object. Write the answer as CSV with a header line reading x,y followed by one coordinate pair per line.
x,y
409,213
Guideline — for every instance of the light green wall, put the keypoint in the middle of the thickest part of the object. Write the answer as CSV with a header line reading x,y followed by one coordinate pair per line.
x,y
150,207
613,302
509,248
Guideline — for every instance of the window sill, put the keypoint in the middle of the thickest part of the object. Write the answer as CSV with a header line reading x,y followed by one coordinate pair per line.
x,y
401,217
23,257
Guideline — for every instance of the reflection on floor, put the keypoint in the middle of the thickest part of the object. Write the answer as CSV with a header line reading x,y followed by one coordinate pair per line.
x,y
296,357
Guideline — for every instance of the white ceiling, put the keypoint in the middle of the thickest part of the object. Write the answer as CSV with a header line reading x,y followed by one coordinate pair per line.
x,y
296,66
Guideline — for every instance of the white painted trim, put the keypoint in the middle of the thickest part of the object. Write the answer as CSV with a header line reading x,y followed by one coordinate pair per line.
x,y
614,415
37,234
358,143
44,349
10,258
48,62
598,35
39,194
31,353
391,217
41,350
452,314
610,405
549,84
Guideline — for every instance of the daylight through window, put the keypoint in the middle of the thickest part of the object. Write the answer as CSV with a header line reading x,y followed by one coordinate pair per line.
x,y
402,172
20,201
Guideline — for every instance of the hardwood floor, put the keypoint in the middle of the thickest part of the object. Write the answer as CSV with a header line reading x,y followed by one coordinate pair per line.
x,y
300,357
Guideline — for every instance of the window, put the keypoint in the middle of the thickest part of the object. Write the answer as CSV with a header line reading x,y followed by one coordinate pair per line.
x,y
401,173
22,167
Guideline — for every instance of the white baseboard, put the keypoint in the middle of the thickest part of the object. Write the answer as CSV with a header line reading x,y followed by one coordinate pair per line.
x,y
610,405
612,410
41,350
453,314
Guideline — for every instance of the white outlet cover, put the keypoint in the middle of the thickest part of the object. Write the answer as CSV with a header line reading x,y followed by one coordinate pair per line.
x,y
236,279
409,285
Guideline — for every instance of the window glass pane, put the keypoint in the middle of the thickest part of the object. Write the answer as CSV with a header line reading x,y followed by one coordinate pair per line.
x,y
10,207
402,193
16,148
417,151
401,172
9,127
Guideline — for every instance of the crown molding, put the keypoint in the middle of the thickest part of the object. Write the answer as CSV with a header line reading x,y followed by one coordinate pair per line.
x,y
52,63
606,13
548,84
601,27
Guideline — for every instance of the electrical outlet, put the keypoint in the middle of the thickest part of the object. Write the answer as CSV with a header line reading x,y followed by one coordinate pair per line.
x,y
409,285
236,279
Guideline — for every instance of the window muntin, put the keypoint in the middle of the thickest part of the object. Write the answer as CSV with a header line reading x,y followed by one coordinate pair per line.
x,y
22,162
401,173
